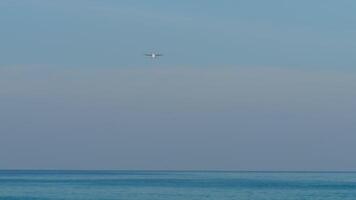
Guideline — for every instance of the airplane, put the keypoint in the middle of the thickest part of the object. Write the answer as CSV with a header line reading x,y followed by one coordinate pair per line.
x,y
153,55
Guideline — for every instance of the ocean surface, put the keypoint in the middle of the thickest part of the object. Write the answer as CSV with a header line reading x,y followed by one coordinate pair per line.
x,y
176,185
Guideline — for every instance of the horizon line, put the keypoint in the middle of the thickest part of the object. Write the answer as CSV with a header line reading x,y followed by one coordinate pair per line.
x,y
187,170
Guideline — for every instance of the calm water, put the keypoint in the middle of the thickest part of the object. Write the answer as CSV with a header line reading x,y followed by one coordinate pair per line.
x,y
157,185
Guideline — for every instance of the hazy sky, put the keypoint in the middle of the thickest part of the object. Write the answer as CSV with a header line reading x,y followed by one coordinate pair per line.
x,y
243,85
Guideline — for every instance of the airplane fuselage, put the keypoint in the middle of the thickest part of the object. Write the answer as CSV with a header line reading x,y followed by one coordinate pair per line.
x,y
153,55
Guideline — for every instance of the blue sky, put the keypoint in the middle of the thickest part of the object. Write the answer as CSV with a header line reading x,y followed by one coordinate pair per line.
x,y
111,33
255,85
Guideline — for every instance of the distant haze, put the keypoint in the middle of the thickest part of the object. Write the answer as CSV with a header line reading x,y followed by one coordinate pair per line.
x,y
242,85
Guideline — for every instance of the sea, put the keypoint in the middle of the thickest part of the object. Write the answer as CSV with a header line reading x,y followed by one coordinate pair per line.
x,y
176,185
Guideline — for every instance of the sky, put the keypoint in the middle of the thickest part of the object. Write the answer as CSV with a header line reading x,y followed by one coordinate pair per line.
x,y
242,85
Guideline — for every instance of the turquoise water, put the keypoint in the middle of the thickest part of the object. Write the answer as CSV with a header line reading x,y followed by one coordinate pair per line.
x,y
175,185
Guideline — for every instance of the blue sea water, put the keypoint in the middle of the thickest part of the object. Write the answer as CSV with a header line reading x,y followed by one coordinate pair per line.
x,y
176,185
